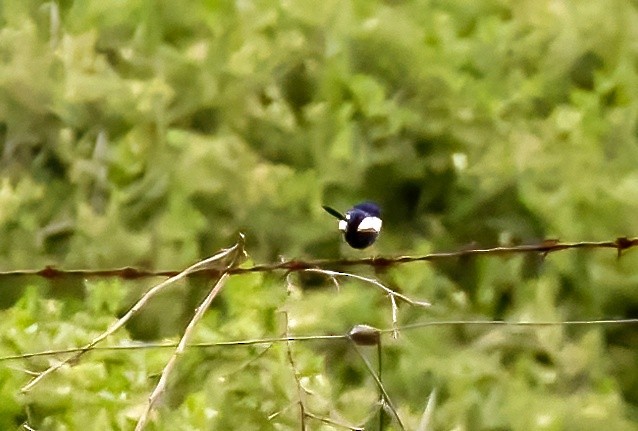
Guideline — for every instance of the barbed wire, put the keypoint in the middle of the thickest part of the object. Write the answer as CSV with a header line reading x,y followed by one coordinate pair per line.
x,y
545,247
228,262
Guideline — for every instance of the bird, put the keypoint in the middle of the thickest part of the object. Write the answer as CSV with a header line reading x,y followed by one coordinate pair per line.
x,y
360,225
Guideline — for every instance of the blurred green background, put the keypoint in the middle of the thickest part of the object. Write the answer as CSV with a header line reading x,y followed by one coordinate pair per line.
x,y
149,133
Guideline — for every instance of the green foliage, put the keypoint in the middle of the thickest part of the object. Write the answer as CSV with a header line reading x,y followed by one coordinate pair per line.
x,y
148,134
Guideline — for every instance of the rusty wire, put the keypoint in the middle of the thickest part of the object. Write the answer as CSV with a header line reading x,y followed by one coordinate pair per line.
x,y
544,248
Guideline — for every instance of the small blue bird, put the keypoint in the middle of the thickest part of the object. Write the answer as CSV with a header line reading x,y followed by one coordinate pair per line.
x,y
360,225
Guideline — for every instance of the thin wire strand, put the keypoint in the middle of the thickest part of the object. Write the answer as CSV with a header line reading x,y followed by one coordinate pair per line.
x,y
305,338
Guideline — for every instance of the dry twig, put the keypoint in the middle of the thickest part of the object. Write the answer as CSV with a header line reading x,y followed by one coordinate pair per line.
x,y
393,295
384,392
206,264
181,347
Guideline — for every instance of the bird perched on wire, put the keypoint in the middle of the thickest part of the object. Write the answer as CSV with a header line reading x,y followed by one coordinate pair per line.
x,y
360,225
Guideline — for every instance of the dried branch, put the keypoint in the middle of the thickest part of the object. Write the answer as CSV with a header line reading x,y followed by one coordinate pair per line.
x,y
333,422
393,295
385,395
219,259
181,347
300,390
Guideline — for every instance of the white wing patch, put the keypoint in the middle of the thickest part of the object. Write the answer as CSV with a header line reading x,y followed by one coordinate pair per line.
x,y
369,224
